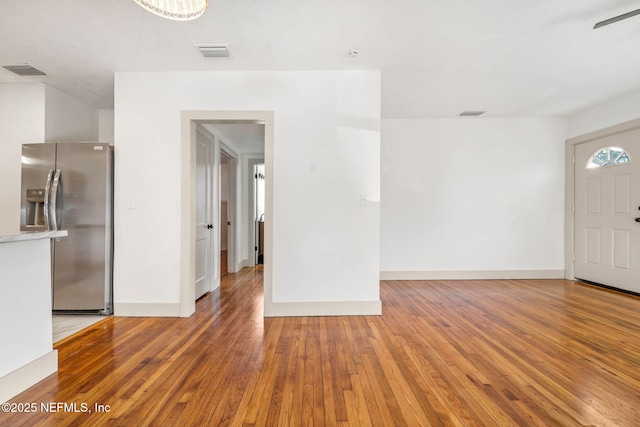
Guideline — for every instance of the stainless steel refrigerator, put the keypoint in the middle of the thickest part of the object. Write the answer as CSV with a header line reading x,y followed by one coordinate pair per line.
x,y
69,186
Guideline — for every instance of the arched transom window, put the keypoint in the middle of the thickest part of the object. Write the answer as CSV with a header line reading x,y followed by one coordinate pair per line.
x,y
608,156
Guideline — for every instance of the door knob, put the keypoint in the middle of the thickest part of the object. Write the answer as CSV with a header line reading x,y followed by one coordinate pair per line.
x,y
209,226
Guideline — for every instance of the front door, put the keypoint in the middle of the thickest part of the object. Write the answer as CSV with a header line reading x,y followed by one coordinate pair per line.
x,y
607,202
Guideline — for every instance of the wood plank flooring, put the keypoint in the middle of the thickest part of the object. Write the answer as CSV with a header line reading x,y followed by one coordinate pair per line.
x,y
224,269
444,353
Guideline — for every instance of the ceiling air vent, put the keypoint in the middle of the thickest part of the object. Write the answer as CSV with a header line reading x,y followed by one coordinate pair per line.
x,y
472,113
213,51
24,70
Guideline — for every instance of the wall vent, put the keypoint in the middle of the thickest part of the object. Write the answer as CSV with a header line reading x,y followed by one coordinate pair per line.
x,y
472,113
214,51
24,70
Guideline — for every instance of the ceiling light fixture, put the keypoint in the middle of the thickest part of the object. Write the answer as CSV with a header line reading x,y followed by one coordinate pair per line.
x,y
179,10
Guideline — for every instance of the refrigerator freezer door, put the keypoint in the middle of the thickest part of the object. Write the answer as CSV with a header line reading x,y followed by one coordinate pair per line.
x,y
37,161
47,200
82,262
56,205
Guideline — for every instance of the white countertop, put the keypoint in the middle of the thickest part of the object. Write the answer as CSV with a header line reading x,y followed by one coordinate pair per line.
x,y
32,235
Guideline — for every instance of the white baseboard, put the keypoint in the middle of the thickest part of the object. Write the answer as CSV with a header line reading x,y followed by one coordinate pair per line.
x,y
143,309
243,264
324,308
30,374
472,275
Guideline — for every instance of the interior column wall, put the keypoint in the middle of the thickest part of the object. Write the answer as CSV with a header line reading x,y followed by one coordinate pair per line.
x,y
325,157
22,110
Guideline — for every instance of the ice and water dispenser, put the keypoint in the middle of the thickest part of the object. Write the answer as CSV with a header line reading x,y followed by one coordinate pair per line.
x,y
35,207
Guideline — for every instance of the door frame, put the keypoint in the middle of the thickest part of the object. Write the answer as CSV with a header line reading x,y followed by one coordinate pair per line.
x,y
569,199
189,120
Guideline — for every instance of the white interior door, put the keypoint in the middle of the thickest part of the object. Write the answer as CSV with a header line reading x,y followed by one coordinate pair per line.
x,y
204,222
607,202
232,230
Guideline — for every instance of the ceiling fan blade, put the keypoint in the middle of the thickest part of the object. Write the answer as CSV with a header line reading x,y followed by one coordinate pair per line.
x,y
616,19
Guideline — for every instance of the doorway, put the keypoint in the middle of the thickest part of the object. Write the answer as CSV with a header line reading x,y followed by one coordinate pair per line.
x,y
258,194
215,200
190,120
225,226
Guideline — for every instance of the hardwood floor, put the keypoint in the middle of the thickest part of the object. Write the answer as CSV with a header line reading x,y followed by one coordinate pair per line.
x,y
224,256
463,353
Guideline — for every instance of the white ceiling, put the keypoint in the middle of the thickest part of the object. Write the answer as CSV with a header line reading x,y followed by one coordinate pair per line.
x,y
438,58
245,138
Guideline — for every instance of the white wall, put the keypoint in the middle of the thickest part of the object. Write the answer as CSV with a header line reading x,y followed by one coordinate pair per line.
x,y
22,115
472,194
68,119
105,126
612,112
326,154
33,113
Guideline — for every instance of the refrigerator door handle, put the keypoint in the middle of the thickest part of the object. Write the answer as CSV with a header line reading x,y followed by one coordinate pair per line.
x,y
47,199
55,222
